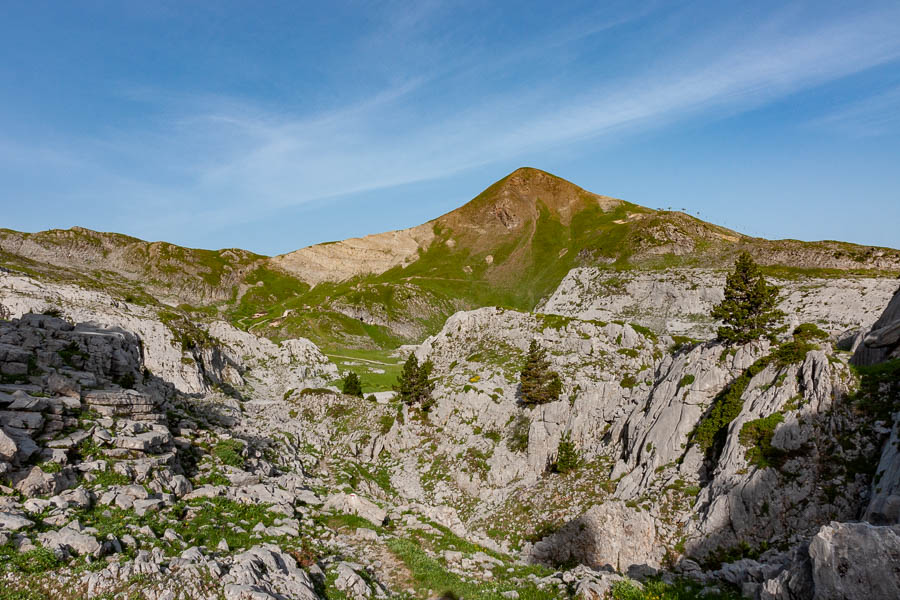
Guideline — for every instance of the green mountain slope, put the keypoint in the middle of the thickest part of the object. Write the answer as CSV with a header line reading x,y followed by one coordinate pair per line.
x,y
510,246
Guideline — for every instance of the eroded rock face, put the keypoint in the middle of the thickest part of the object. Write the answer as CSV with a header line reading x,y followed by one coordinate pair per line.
x,y
272,369
129,404
678,301
356,256
608,536
355,505
884,507
297,363
882,342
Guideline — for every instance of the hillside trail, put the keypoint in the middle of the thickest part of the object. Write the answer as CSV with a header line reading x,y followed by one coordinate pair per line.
x,y
366,360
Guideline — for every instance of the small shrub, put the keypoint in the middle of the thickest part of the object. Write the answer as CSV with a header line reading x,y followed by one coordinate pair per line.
x,y
807,332
126,381
756,436
644,331
628,381
72,355
879,390
791,352
682,342
385,422
229,452
493,435
414,386
315,391
517,441
539,384
686,380
50,467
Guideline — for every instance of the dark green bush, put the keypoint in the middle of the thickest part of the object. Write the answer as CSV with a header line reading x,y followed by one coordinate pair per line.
x,y
756,436
807,332
628,381
352,385
686,380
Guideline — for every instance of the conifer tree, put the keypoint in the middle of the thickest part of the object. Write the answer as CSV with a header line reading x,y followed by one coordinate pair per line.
x,y
414,385
538,383
352,385
748,311
566,455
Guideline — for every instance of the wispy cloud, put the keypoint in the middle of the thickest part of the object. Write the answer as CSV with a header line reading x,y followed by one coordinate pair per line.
x,y
283,161
236,158
873,116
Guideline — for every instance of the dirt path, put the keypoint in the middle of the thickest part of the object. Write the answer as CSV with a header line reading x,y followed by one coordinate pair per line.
x,y
366,360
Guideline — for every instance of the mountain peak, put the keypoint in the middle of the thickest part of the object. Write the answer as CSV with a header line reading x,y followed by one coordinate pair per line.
x,y
520,197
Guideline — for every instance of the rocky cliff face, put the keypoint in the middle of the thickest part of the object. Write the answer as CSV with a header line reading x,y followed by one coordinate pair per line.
x,y
214,354
373,254
678,301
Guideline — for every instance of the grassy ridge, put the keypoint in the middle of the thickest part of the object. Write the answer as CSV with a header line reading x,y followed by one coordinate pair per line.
x,y
509,247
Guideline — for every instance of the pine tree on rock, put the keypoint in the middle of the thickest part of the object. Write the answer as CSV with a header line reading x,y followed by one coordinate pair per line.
x,y
539,384
566,455
748,311
352,385
414,386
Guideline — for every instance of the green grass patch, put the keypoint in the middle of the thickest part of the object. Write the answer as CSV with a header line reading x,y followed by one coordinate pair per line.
x,y
679,590
229,452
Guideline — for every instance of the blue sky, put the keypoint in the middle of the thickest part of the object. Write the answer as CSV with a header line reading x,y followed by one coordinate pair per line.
x,y
271,126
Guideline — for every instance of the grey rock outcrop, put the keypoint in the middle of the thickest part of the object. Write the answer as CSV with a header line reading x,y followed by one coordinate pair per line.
x,y
356,505
608,536
882,341
855,560
266,572
678,301
188,370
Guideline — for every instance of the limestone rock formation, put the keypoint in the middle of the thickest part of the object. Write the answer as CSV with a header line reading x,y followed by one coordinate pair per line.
x,y
608,536
678,301
342,260
855,560
882,341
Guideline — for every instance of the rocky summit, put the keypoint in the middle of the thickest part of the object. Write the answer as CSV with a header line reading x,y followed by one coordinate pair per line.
x,y
528,397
